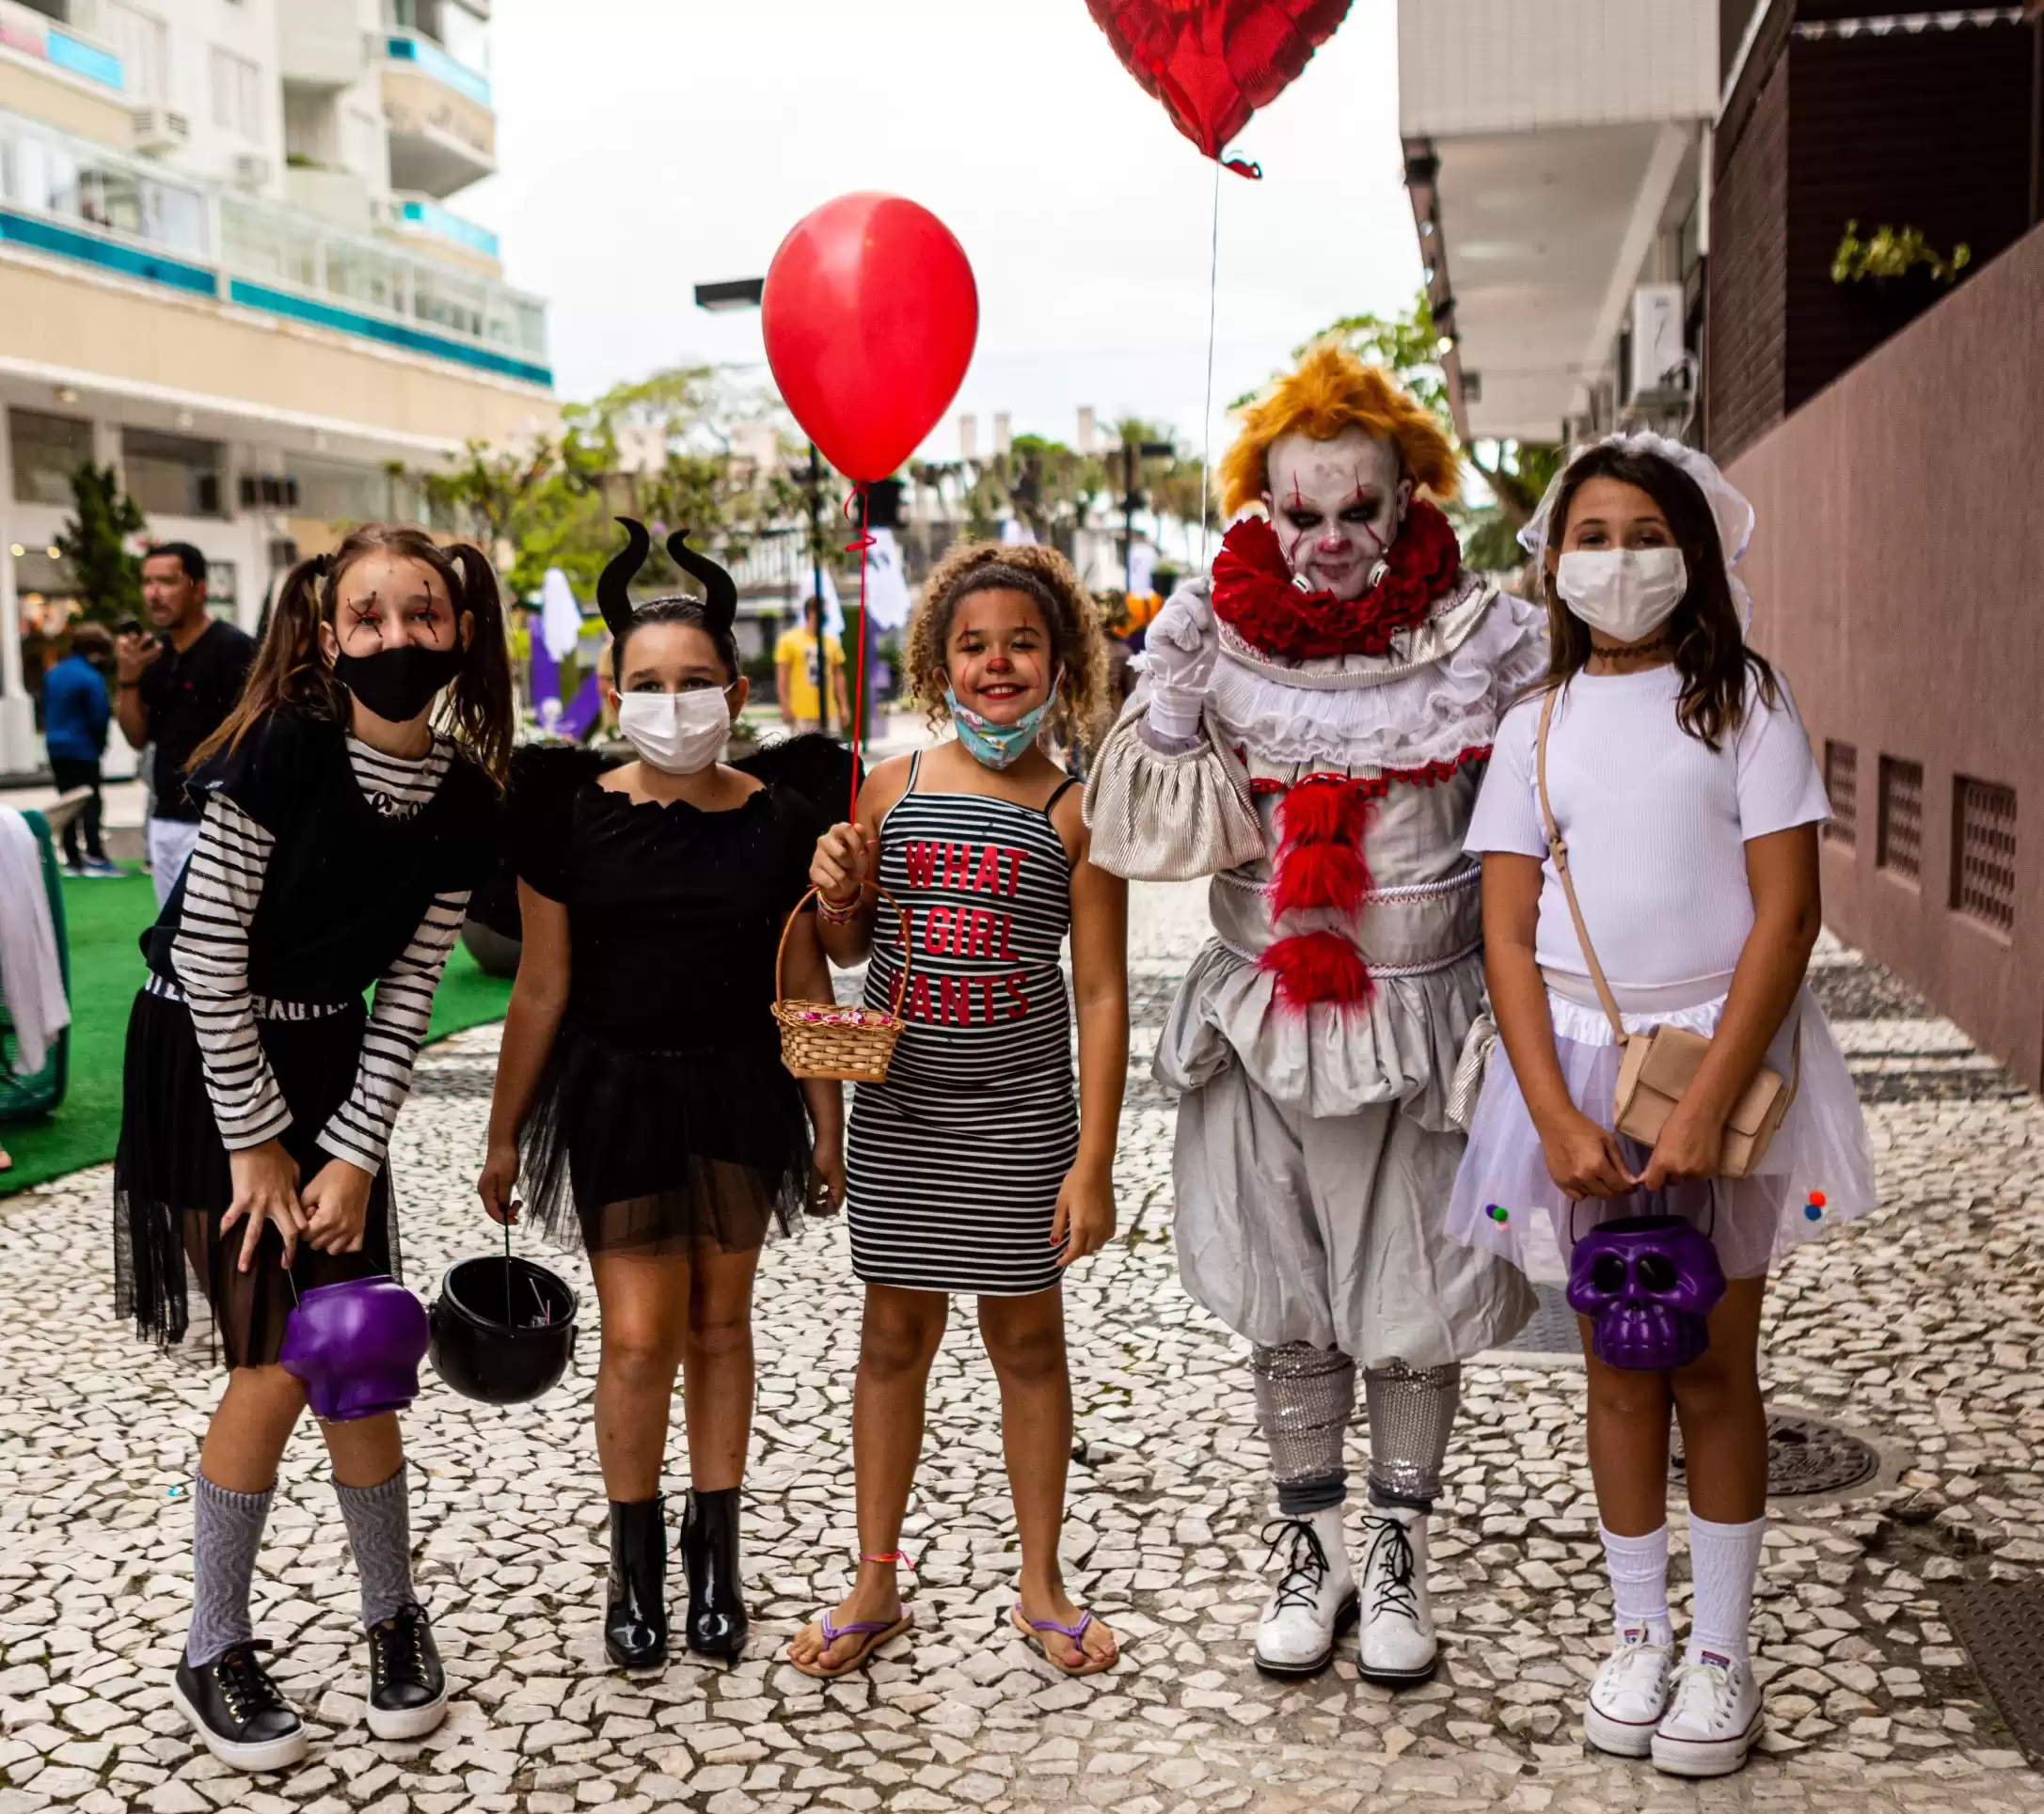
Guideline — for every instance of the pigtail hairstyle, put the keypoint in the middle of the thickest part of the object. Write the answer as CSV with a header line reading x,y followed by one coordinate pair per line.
x,y
1717,668
290,671
1078,648
481,710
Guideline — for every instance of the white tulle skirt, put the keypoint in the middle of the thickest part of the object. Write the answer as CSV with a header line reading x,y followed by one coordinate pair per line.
x,y
1818,1171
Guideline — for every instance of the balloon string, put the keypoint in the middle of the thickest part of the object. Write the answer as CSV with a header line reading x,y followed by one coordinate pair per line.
x,y
1206,418
859,695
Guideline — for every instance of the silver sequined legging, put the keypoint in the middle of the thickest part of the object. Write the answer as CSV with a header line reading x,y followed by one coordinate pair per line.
x,y
1305,1395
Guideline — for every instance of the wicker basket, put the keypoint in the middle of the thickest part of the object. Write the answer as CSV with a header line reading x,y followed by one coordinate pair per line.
x,y
825,1039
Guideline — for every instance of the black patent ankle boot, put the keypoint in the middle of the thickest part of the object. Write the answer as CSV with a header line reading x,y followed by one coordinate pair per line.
x,y
635,1625
709,1553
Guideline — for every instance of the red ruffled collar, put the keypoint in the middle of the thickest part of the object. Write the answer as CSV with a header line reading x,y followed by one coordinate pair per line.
x,y
1253,593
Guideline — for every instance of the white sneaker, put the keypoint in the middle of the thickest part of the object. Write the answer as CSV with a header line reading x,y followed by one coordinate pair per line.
x,y
1629,1695
1396,1645
1315,1598
1712,1720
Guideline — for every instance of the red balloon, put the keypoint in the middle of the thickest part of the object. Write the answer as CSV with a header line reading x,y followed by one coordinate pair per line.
x,y
870,314
1213,63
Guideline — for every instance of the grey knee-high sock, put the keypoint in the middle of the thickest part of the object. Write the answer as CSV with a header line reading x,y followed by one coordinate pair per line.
x,y
1410,1410
227,1531
380,1534
1303,1397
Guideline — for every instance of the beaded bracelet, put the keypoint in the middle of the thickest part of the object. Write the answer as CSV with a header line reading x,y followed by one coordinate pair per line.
x,y
838,916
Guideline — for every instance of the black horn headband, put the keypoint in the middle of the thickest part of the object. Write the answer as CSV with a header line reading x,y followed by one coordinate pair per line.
x,y
613,590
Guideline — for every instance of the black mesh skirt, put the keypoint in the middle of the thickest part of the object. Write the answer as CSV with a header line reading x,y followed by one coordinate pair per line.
x,y
661,1152
172,1185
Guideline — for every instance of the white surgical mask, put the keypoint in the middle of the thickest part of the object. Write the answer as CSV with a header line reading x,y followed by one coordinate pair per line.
x,y
680,734
1626,592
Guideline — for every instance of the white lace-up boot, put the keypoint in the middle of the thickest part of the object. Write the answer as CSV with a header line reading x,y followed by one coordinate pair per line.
x,y
1629,1695
1314,1601
1712,1720
1397,1646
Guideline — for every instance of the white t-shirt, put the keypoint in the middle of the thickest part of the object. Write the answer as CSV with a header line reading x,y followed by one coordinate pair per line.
x,y
1654,822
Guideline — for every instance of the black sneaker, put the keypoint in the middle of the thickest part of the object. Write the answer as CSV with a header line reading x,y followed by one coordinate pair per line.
x,y
236,1708
407,1688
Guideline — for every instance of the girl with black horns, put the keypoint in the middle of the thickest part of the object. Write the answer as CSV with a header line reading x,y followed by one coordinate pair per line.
x,y
640,1091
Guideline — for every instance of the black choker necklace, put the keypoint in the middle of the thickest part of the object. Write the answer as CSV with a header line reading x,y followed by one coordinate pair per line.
x,y
1659,649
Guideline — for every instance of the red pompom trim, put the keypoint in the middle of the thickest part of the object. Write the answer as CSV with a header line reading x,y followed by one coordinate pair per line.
x,y
1322,808
1318,876
1253,593
1317,967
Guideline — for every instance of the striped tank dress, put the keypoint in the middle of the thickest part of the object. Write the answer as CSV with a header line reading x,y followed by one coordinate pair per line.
x,y
954,1165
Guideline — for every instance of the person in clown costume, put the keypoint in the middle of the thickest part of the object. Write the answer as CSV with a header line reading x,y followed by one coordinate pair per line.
x,y
1310,731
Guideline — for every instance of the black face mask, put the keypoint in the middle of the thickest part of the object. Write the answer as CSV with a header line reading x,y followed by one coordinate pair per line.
x,y
399,684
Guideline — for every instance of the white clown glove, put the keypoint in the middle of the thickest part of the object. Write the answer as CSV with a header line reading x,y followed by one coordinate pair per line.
x,y
1178,655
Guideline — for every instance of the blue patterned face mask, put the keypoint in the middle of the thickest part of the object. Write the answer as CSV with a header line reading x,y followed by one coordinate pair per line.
x,y
998,745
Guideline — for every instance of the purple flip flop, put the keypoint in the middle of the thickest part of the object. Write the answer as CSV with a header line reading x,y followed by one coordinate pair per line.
x,y
1032,1630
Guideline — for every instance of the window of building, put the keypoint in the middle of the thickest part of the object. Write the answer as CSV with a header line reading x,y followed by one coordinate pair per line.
x,y
1984,851
46,450
223,589
173,475
448,300
1842,788
364,274
269,244
143,43
1900,845
339,493
237,95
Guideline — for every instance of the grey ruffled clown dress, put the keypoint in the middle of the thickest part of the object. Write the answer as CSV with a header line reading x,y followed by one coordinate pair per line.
x,y
1314,1043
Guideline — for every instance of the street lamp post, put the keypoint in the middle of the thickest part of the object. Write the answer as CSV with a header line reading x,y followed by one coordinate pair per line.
x,y
728,298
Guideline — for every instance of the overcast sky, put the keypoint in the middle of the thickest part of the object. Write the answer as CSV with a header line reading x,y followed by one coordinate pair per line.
x,y
645,145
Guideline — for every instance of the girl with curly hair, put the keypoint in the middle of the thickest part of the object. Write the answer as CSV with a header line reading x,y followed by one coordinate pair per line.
x,y
350,805
973,1168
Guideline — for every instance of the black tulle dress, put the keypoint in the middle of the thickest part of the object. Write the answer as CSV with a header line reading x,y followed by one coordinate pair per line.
x,y
664,1118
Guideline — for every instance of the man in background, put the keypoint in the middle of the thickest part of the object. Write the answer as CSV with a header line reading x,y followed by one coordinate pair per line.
x,y
76,711
799,659
176,687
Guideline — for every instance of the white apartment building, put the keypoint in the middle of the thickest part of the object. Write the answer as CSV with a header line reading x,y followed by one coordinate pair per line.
x,y
229,269
1558,157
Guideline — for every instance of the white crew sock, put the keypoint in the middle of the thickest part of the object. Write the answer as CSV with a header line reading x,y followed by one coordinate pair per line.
x,y
1723,1560
1639,1569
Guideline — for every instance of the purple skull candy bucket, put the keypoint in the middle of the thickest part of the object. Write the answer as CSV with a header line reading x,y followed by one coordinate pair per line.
x,y
1648,1284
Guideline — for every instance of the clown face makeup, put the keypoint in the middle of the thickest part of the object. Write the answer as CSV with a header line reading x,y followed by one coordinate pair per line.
x,y
1337,507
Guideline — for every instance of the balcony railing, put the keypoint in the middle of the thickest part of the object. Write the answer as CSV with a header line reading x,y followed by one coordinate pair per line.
x,y
421,216
415,47
36,34
74,199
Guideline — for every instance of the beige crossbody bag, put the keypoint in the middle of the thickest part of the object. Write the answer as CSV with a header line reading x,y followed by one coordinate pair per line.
x,y
1657,1066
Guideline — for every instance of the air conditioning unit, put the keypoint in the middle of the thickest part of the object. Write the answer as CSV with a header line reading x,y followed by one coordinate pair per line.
x,y
160,130
251,170
1659,358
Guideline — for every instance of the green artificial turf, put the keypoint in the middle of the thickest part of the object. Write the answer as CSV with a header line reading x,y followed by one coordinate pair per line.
x,y
105,918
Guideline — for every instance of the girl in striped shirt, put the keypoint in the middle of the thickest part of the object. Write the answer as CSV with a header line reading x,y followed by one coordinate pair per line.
x,y
975,1167
341,834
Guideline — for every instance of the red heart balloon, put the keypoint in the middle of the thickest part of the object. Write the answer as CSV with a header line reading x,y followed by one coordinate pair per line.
x,y
870,313
1213,63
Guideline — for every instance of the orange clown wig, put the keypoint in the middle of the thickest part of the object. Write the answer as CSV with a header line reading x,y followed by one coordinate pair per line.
x,y
1331,391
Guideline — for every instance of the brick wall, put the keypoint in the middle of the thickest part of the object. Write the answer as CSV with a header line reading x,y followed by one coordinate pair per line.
x,y
1932,132
1745,360
1931,129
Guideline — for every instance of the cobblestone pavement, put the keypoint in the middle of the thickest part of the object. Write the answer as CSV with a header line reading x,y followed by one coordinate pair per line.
x,y
1922,1328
